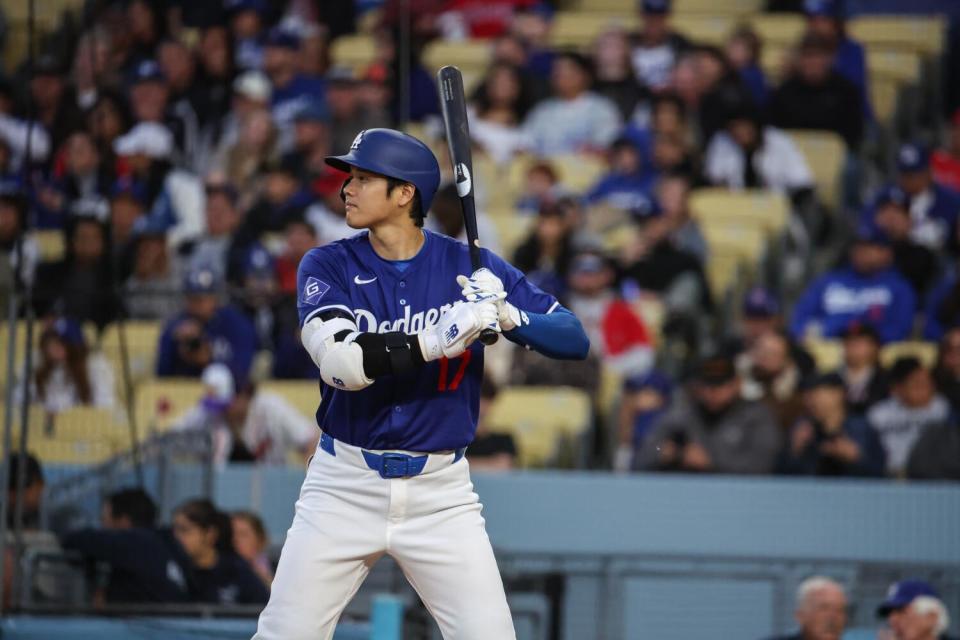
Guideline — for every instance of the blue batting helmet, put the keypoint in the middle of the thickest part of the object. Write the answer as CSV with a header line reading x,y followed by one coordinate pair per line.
x,y
396,155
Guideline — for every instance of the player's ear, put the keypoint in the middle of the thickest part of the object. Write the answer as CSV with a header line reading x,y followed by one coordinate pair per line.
x,y
406,192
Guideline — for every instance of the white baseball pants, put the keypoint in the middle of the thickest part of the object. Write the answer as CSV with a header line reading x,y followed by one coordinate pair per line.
x,y
348,516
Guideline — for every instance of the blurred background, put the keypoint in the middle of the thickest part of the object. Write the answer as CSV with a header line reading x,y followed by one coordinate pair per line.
x,y
751,205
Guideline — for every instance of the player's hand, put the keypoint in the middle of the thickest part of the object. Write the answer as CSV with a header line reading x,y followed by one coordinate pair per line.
x,y
484,285
457,329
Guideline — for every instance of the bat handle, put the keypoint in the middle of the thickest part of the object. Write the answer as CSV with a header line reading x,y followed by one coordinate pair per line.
x,y
489,337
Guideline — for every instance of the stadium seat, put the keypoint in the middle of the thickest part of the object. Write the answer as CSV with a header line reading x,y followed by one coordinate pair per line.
x,y
766,210
898,65
512,229
51,243
88,424
467,55
825,152
713,29
723,271
773,61
778,30
304,395
924,34
579,29
353,51
159,402
539,418
577,172
730,8
142,338
926,352
827,354
883,97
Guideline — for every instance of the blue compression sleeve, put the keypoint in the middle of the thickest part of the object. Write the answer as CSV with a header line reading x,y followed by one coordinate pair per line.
x,y
556,335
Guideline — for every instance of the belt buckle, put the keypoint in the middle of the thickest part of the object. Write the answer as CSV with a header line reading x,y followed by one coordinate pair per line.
x,y
394,465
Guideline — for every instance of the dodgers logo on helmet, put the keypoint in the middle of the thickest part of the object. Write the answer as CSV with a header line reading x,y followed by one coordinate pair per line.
x,y
356,141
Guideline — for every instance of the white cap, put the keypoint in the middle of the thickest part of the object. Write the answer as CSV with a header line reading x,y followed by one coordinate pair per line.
x,y
253,85
219,382
146,138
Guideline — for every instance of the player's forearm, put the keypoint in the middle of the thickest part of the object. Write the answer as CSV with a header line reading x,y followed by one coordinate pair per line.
x,y
556,335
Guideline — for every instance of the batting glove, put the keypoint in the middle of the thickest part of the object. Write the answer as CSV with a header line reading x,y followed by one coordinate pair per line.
x,y
484,285
457,329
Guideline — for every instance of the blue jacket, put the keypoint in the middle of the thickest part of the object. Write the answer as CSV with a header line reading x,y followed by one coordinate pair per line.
x,y
937,228
839,297
631,193
851,63
234,340
933,324
756,82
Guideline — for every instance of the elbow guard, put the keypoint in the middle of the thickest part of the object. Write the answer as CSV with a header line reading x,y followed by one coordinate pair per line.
x,y
340,362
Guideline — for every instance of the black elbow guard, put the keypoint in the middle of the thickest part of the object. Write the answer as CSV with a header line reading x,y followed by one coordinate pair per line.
x,y
389,353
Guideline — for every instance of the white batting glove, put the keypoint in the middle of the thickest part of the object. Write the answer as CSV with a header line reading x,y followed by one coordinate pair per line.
x,y
457,329
484,285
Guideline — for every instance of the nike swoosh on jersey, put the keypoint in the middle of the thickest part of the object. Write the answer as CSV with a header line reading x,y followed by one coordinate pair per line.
x,y
357,280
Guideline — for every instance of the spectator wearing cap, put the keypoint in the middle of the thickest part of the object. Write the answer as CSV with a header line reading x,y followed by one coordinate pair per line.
x,y
863,375
868,289
574,119
644,400
19,252
545,255
627,185
174,196
283,197
827,440
259,299
251,93
246,27
890,213
82,285
205,331
825,20
491,450
747,154
821,610
913,610
291,89
311,142
151,291
769,374
656,46
248,424
68,374
151,102
945,162
349,114
710,428
933,207
912,408
815,96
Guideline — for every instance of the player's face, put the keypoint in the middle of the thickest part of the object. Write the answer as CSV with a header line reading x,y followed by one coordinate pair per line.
x,y
367,202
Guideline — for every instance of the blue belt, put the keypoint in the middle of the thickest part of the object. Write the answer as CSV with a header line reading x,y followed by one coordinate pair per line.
x,y
389,465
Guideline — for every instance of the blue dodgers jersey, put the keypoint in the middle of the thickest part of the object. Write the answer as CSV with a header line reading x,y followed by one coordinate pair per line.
x,y
433,408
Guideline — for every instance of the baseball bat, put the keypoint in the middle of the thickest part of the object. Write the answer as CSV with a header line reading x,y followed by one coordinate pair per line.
x,y
454,107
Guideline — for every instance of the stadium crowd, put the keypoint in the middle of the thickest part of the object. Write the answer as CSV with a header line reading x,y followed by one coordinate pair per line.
x,y
178,148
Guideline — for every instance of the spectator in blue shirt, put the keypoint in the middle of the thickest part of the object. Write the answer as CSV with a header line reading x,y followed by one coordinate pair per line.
x,y
646,397
626,186
825,20
206,331
292,91
868,289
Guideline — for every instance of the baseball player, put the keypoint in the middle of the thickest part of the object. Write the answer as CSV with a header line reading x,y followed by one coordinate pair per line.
x,y
392,322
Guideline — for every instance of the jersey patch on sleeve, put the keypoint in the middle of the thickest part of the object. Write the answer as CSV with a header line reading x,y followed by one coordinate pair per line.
x,y
313,290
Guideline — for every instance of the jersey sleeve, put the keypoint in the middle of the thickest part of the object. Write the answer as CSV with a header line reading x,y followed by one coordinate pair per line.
x,y
521,293
320,284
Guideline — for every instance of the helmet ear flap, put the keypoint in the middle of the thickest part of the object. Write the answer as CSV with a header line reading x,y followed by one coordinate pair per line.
x,y
343,196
